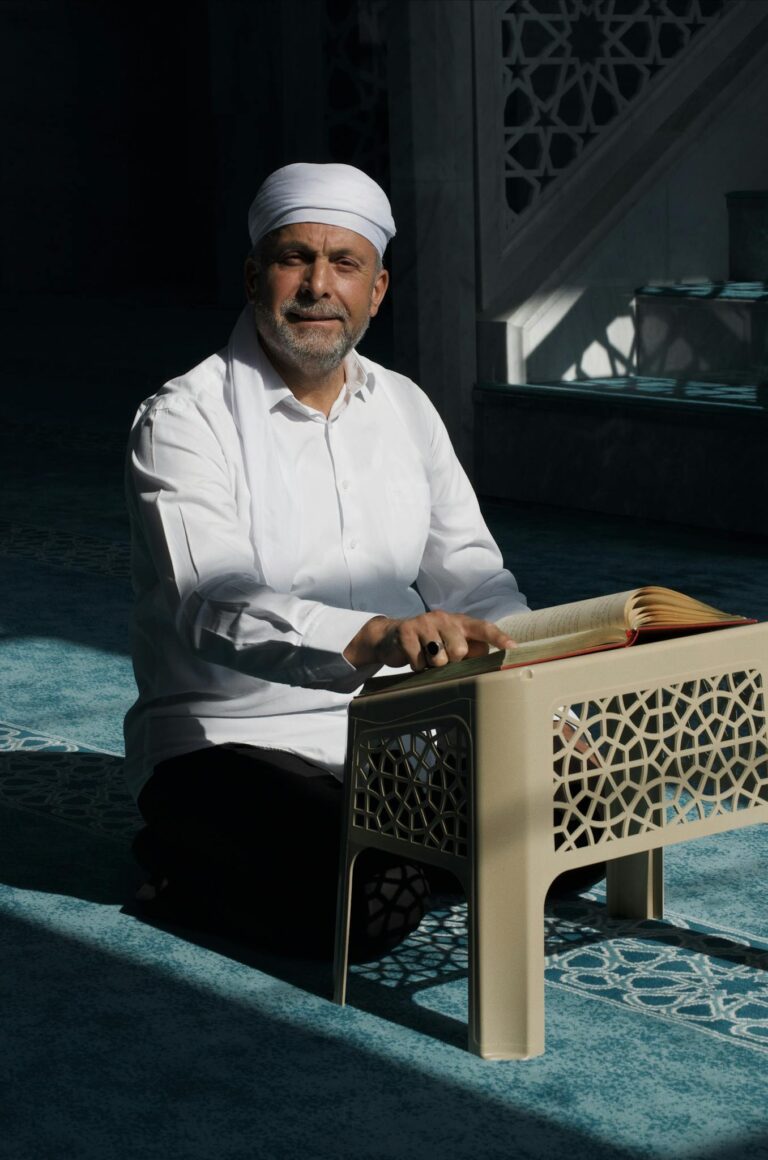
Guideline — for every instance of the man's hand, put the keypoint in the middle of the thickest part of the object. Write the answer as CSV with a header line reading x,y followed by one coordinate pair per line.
x,y
430,640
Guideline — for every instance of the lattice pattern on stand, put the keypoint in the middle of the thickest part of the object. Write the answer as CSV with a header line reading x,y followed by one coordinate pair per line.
x,y
640,760
410,783
571,67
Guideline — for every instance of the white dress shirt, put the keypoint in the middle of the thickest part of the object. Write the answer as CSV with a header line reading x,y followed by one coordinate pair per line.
x,y
365,507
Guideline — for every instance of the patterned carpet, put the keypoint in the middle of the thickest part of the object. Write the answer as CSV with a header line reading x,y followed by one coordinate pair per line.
x,y
59,778
126,1040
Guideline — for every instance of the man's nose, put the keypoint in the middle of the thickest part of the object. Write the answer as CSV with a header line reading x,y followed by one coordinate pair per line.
x,y
316,279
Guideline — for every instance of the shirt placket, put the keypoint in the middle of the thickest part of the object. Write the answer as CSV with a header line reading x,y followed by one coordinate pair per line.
x,y
352,530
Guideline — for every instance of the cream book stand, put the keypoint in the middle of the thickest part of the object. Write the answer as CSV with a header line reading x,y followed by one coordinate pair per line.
x,y
472,775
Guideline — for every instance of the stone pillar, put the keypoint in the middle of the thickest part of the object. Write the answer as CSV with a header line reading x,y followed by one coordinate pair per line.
x,y
432,185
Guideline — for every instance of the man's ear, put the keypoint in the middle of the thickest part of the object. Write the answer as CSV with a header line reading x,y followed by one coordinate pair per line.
x,y
250,276
380,283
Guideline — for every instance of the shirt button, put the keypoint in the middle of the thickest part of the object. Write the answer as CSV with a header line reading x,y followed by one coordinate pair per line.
x,y
353,544
345,485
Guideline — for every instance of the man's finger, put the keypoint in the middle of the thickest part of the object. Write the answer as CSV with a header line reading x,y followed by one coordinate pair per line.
x,y
455,644
414,638
435,653
485,630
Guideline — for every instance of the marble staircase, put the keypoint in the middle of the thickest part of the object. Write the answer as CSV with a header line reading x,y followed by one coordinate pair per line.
x,y
683,439
712,331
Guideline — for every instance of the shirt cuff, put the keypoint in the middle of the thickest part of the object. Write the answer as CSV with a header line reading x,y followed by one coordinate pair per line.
x,y
327,634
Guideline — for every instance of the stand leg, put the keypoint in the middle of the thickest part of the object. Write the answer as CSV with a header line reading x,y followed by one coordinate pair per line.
x,y
343,909
506,968
635,885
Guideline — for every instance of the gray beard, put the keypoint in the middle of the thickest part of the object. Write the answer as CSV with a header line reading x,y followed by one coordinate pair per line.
x,y
309,351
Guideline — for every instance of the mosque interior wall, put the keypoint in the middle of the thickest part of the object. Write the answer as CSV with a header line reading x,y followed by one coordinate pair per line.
x,y
676,232
573,319
136,138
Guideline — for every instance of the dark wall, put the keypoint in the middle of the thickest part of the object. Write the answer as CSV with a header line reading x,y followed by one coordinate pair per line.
x,y
107,142
133,138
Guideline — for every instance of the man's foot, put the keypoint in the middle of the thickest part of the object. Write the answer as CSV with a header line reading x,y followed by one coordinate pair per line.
x,y
163,901
148,891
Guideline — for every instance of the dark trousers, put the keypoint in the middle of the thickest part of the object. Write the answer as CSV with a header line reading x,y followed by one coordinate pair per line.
x,y
249,842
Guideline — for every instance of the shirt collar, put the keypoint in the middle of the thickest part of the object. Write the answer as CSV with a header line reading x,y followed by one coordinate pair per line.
x,y
358,380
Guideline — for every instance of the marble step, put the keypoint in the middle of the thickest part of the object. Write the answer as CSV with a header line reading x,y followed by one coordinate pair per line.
x,y
696,291
647,391
689,452
716,331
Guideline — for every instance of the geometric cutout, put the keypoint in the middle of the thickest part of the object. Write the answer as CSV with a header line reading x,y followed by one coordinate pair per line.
x,y
570,69
631,763
410,783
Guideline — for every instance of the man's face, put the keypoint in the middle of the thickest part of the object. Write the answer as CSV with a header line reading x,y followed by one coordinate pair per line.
x,y
314,289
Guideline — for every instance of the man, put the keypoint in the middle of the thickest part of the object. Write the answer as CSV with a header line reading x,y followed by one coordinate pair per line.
x,y
299,520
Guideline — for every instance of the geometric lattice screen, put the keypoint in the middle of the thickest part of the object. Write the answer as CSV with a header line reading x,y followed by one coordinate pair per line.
x,y
680,753
571,67
354,48
412,785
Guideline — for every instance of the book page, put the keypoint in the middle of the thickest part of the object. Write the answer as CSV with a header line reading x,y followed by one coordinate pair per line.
x,y
547,648
552,647
664,606
607,612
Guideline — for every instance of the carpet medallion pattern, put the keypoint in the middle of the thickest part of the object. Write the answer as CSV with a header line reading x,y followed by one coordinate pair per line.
x,y
703,977
707,979
51,776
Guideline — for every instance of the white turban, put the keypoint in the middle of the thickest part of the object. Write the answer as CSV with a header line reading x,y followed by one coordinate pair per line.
x,y
334,195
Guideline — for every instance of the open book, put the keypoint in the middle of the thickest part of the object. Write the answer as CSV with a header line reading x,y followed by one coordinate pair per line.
x,y
604,622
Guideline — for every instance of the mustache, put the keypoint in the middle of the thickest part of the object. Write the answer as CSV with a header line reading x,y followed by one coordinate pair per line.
x,y
317,310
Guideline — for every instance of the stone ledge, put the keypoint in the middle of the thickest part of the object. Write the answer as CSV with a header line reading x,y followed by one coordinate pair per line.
x,y
720,291
566,444
664,395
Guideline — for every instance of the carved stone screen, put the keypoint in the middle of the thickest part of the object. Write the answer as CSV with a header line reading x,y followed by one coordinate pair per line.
x,y
410,783
355,55
571,67
670,756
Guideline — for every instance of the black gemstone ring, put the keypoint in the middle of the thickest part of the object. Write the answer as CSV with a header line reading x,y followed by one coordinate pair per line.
x,y
434,647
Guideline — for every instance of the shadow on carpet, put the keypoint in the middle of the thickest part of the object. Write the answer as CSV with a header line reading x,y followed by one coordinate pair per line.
x,y
125,1039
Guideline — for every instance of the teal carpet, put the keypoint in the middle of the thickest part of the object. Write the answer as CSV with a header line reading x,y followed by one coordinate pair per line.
x,y
125,1040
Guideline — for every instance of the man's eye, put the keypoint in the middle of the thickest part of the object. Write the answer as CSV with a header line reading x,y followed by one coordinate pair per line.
x,y
346,263
291,259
